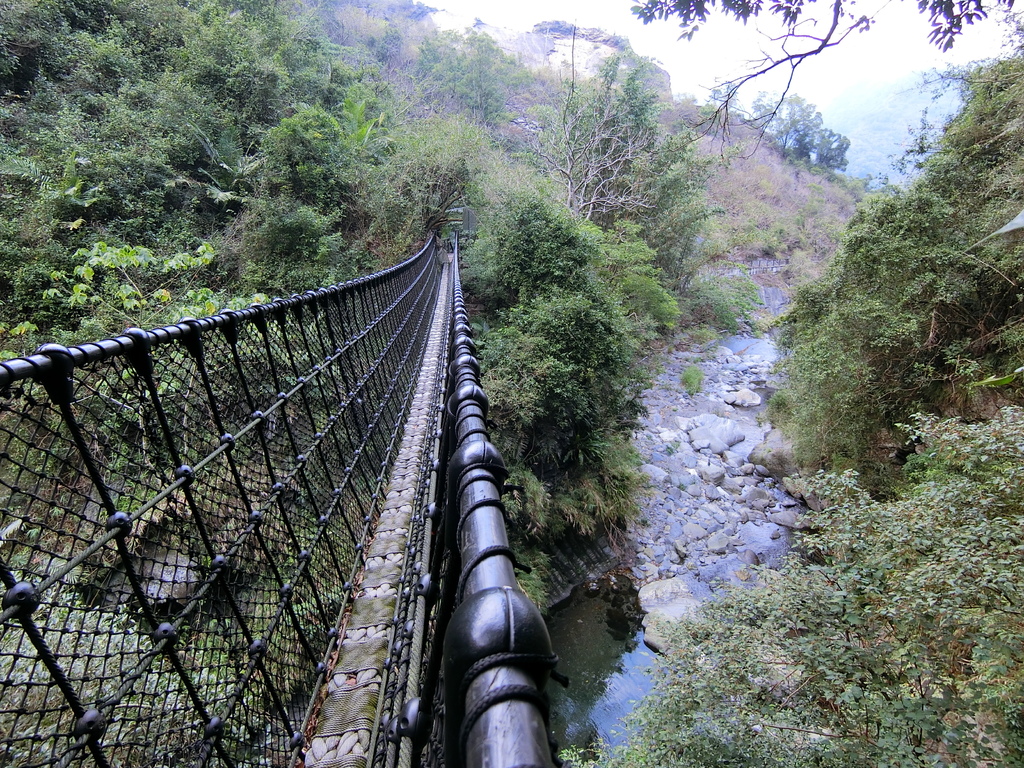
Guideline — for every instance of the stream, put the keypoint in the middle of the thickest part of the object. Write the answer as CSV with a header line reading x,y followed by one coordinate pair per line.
x,y
710,515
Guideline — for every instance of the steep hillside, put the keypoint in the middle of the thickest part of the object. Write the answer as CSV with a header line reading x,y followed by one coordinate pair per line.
x,y
773,215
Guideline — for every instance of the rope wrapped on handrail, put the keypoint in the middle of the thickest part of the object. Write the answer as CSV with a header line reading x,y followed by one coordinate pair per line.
x,y
497,652
183,512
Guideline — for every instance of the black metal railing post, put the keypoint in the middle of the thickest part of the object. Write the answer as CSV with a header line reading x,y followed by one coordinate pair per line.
x,y
497,652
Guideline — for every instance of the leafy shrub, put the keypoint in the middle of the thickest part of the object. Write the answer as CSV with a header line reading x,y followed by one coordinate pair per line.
x,y
307,157
559,375
536,246
719,301
692,379
910,314
626,265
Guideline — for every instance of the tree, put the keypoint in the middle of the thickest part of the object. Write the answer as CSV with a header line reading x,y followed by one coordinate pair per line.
x,y
470,71
598,140
796,127
915,308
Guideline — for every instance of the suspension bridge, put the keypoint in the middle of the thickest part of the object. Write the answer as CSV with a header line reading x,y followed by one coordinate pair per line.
x,y
270,537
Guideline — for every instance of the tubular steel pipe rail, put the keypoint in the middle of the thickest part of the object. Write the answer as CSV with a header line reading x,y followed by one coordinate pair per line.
x,y
183,512
497,652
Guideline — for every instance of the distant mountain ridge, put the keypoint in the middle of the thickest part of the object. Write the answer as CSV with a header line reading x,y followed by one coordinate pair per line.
x,y
881,118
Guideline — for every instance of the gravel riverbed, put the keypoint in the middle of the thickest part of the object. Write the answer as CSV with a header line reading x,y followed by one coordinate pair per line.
x,y
711,511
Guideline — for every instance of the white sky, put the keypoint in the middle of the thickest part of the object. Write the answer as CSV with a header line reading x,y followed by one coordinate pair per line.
x,y
897,46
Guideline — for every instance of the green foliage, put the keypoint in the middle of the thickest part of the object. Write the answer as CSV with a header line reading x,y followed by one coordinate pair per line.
x,y
910,315
559,364
431,167
898,643
680,211
627,266
291,245
307,158
536,246
131,285
719,301
692,379
471,72
798,131
161,124
558,373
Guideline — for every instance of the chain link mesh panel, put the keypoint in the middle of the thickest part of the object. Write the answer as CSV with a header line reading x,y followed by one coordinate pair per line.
x,y
182,512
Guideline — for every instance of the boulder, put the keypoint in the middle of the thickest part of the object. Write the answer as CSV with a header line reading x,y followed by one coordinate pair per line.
x,y
749,557
775,454
718,543
664,602
707,426
732,485
700,437
692,531
168,575
788,518
657,474
717,446
711,473
743,398
797,488
755,493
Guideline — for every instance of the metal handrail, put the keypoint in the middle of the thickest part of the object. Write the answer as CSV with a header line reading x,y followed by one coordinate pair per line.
x,y
497,651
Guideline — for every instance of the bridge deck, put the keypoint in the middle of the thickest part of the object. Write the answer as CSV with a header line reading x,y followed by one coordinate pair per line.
x,y
355,696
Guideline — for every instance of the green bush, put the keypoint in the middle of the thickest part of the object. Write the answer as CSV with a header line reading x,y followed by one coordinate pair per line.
x,y
626,266
718,301
536,246
560,375
692,379
910,314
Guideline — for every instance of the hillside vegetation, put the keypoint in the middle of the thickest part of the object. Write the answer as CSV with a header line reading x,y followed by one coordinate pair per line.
x,y
160,160
912,314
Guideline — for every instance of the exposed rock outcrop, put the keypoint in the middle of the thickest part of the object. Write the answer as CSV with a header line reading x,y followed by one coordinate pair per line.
x,y
558,45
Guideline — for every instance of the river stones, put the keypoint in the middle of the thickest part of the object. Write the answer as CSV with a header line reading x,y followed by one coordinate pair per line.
x,y
663,602
704,516
707,427
749,557
788,518
743,398
657,474
711,473
718,543
775,454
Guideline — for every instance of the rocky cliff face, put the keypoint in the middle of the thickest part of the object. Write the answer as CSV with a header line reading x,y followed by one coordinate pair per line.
x,y
557,45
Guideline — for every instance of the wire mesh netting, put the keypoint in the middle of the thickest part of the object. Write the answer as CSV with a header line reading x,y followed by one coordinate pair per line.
x,y
182,512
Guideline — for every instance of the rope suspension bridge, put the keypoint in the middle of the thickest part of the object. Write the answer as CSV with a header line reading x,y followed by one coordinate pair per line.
x,y
270,537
